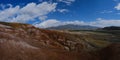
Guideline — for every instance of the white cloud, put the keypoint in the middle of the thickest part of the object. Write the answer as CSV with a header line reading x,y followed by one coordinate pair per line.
x,y
63,10
75,22
104,22
99,23
48,23
27,13
7,14
3,6
54,22
42,17
117,7
9,5
105,11
68,2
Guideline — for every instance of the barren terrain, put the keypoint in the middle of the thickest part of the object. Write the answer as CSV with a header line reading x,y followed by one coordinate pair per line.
x,y
26,42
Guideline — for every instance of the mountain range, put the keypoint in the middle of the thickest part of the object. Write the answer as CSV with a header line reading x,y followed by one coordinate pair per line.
x,y
73,27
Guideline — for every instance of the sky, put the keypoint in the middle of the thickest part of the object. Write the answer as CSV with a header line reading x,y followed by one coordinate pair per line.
x,y
49,13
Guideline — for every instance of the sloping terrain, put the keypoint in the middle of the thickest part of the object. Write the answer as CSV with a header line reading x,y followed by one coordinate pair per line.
x,y
25,42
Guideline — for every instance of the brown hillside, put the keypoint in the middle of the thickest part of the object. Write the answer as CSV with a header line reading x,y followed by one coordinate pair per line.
x,y
25,42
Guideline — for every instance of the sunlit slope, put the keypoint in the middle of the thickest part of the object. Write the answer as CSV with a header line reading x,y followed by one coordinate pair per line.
x,y
26,42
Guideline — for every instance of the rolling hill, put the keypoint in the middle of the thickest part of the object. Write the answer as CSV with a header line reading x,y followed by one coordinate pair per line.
x,y
26,42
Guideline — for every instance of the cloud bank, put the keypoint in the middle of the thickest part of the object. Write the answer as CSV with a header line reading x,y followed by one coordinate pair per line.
x,y
99,23
54,22
27,13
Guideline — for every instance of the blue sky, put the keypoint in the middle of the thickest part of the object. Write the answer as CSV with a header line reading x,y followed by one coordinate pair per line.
x,y
47,13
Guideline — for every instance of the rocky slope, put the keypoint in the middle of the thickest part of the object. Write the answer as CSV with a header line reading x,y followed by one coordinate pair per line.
x,y
25,42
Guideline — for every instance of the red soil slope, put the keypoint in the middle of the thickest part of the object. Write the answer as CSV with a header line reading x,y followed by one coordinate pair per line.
x,y
25,42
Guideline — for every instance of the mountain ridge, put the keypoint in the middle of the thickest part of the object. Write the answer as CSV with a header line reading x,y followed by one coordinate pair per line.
x,y
73,27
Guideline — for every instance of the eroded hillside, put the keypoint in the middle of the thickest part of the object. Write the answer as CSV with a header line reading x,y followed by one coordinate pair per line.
x,y
25,42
